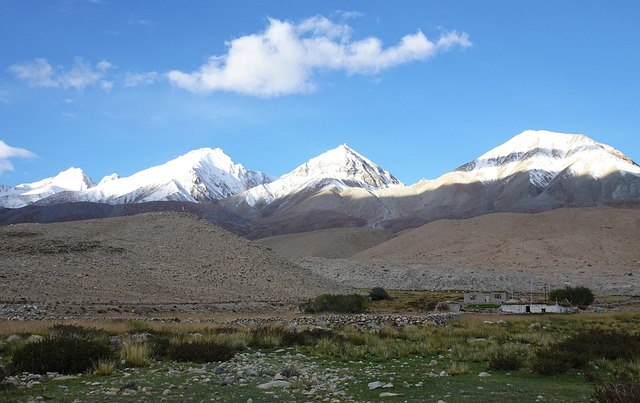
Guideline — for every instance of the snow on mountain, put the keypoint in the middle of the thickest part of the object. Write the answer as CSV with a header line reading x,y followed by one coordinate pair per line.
x,y
200,175
340,168
544,155
73,179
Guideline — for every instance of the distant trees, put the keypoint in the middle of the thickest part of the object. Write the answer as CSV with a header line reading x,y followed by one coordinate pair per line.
x,y
378,294
580,296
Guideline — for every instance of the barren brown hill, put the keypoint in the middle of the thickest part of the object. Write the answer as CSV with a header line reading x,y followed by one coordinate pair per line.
x,y
588,238
330,243
595,247
156,258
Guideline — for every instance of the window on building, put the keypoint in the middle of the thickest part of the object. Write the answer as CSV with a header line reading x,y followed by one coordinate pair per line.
x,y
472,297
497,296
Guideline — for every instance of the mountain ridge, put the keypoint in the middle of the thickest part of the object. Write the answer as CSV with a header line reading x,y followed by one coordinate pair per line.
x,y
533,171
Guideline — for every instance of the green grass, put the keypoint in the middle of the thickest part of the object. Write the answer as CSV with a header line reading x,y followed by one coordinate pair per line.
x,y
346,360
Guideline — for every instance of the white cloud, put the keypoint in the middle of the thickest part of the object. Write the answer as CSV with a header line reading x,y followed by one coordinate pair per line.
x,y
7,152
283,59
40,73
136,79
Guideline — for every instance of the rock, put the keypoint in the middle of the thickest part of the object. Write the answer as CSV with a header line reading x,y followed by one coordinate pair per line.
x,y
10,380
273,384
35,338
13,337
218,370
374,385
484,374
390,394
387,385
443,373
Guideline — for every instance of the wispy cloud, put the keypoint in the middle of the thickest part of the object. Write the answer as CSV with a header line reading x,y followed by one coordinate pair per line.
x,y
40,73
137,79
133,20
7,153
284,58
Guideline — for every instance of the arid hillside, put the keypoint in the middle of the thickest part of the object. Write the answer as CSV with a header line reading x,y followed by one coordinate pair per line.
x,y
155,258
587,238
329,243
595,247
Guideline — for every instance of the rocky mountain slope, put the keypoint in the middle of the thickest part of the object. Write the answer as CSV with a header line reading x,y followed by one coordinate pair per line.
x,y
156,258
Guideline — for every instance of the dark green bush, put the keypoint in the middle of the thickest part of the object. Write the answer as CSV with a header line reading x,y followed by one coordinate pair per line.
x,y
200,352
602,343
307,337
505,361
378,294
580,348
550,361
64,354
352,303
622,389
581,296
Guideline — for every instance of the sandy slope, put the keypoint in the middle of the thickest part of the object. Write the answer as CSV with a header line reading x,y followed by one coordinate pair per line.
x,y
330,243
148,258
595,247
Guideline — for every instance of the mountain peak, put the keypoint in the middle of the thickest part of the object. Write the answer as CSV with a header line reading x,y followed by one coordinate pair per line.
x,y
70,179
344,163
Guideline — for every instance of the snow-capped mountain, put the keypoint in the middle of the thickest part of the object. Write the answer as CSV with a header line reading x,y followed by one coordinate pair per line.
x,y
340,168
200,175
543,155
73,179
533,171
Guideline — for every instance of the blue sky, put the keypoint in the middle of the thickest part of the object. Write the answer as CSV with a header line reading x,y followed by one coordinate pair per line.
x,y
419,87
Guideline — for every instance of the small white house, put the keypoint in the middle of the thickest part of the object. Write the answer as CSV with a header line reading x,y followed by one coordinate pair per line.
x,y
534,308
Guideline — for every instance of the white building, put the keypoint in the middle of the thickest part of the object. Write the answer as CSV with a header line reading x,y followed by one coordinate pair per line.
x,y
534,308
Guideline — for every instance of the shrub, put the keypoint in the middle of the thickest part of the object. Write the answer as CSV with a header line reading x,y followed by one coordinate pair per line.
x,y
306,337
622,389
352,303
200,352
503,360
68,355
588,345
581,296
601,343
378,294
550,361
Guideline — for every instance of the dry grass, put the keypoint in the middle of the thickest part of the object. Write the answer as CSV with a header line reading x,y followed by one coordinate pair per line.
x,y
137,354
104,367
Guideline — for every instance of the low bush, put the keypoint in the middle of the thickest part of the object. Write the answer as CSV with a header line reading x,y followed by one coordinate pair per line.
x,y
623,389
503,360
550,361
378,294
63,354
200,352
585,346
352,303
